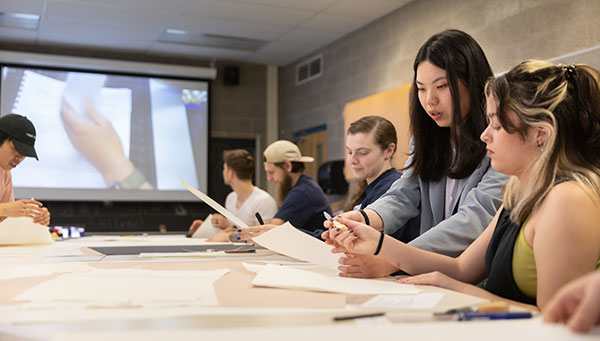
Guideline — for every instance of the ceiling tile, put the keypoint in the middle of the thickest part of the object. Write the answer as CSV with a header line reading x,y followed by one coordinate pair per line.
x,y
334,23
367,9
94,34
244,12
22,6
310,5
313,37
232,28
189,50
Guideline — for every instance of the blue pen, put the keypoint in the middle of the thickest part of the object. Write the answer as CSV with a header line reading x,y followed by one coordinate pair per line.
x,y
494,316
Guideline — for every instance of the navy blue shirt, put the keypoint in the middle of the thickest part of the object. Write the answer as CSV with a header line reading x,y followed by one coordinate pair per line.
x,y
373,191
377,188
304,204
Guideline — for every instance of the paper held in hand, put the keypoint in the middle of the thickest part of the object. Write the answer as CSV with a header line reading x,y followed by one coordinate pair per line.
x,y
215,205
23,231
288,240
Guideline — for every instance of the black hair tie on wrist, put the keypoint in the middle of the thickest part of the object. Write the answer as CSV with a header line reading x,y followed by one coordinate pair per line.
x,y
380,244
364,214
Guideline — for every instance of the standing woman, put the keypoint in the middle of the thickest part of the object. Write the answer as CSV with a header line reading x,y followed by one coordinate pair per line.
x,y
448,188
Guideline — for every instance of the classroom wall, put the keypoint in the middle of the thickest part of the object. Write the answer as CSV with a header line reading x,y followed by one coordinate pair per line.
x,y
379,57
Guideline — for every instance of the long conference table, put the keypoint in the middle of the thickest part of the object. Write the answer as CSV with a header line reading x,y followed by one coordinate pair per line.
x,y
107,287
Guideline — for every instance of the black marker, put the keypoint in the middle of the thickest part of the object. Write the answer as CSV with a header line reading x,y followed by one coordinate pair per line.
x,y
353,317
259,218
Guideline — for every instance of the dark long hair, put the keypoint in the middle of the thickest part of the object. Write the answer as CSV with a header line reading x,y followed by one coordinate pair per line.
x,y
384,134
463,59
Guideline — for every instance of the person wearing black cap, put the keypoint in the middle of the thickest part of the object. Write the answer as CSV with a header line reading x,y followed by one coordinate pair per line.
x,y
17,139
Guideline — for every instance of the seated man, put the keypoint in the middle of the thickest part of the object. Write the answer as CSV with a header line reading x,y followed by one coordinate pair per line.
x,y
302,200
246,199
17,138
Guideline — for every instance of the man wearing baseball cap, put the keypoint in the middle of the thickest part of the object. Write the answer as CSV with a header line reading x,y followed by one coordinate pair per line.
x,y
17,140
301,200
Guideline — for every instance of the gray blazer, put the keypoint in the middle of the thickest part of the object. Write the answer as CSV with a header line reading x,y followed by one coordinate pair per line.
x,y
479,198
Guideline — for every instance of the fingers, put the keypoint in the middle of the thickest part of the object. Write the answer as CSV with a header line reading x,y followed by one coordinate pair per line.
x,y
71,119
43,218
94,115
195,225
586,314
31,202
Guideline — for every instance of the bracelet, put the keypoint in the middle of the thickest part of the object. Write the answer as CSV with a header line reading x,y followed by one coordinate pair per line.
x,y
380,244
364,214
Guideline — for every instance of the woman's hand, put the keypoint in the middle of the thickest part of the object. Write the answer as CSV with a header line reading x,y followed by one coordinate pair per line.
x,y
350,215
364,266
359,239
437,279
577,304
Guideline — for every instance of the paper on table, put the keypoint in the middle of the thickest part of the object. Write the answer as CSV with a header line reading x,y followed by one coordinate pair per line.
x,y
119,286
22,230
288,240
206,230
293,278
215,205
25,270
426,301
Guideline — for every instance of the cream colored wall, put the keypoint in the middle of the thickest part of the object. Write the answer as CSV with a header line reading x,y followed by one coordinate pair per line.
x,y
379,56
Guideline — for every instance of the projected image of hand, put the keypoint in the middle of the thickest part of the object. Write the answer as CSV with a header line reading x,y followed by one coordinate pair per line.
x,y
96,139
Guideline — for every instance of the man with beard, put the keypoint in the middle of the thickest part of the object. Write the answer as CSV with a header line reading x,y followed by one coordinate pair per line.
x,y
301,200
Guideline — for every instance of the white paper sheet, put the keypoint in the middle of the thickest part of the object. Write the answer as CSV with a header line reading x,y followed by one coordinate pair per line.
x,y
128,286
424,301
215,205
288,240
25,270
293,278
206,230
23,231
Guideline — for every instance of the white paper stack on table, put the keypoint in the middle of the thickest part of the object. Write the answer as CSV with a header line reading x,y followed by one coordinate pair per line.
x,y
23,231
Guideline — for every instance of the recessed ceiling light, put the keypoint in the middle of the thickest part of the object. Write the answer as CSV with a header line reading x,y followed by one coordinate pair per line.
x,y
19,20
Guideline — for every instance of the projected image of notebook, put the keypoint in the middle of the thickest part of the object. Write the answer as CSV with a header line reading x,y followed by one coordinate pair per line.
x,y
161,124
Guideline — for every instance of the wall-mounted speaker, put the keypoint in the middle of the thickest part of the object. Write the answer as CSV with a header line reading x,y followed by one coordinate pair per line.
x,y
231,75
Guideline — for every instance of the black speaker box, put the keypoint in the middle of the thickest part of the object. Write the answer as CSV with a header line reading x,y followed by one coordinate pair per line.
x,y
231,75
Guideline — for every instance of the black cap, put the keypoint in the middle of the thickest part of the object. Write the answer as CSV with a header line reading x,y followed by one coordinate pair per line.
x,y
21,132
